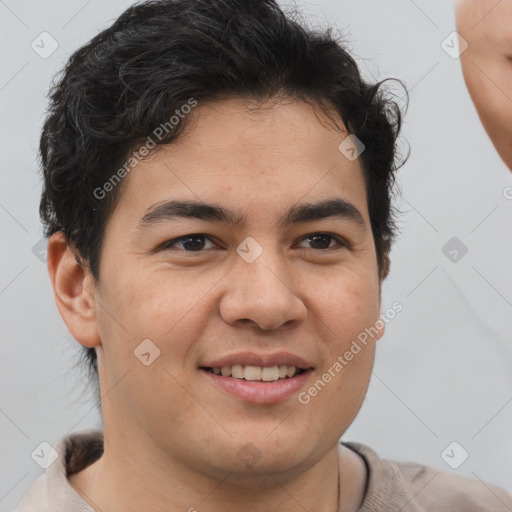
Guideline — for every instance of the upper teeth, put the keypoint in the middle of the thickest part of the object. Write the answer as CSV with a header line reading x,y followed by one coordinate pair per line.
x,y
265,373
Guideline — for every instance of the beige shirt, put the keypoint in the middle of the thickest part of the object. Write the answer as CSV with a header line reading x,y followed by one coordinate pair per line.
x,y
392,486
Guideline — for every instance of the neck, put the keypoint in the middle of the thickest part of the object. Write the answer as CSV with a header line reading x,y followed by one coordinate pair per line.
x,y
131,478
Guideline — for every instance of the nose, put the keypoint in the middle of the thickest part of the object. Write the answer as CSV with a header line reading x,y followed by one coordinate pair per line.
x,y
263,292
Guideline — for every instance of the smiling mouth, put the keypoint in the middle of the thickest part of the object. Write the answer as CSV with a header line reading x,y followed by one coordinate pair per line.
x,y
256,373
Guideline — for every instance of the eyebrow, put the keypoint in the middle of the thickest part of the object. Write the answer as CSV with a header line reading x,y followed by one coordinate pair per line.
x,y
305,212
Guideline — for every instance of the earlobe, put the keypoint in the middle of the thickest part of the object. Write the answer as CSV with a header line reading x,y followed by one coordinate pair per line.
x,y
381,326
72,290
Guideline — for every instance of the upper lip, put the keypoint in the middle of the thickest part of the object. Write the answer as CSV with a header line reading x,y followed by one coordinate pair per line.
x,y
253,359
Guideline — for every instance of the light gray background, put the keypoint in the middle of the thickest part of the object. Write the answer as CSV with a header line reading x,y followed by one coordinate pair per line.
x,y
443,368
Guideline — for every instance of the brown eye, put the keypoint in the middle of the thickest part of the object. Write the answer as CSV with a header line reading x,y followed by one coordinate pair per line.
x,y
189,243
320,241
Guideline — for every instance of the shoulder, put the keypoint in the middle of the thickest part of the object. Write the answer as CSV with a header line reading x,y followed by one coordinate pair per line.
x,y
52,491
412,487
36,499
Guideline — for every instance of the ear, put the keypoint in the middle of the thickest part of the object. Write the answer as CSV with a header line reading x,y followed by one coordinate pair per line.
x,y
380,328
386,263
384,272
73,289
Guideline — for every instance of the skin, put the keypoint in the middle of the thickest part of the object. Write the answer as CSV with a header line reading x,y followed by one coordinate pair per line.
x,y
171,436
487,66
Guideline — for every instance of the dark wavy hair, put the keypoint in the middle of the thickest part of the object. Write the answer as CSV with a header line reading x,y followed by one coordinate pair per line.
x,y
131,77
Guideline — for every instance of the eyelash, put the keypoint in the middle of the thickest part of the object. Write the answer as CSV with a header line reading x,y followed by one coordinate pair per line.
x,y
171,243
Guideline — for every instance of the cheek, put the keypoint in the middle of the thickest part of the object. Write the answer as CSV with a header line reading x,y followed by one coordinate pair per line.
x,y
347,303
134,311
334,398
131,310
347,308
154,303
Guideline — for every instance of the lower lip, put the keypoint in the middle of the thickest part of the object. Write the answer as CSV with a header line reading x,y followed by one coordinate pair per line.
x,y
259,391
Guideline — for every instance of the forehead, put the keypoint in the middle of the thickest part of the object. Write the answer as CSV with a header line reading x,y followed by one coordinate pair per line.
x,y
234,152
244,129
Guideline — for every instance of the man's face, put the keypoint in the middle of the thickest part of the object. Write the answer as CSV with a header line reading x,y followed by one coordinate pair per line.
x,y
200,300
486,25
